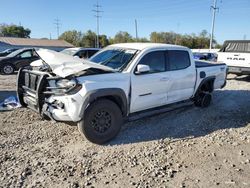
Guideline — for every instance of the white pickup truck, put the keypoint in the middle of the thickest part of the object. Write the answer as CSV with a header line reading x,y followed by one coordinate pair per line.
x,y
121,82
236,54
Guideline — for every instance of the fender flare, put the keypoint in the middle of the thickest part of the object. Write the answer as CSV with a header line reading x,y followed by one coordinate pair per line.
x,y
208,79
117,93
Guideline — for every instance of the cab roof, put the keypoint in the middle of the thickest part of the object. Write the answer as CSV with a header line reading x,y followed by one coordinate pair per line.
x,y
142,46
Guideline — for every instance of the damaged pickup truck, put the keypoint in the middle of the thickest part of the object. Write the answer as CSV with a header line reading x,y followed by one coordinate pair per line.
x,y
121,82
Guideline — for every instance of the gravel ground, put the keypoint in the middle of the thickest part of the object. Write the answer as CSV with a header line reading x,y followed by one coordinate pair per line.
x,y
189,147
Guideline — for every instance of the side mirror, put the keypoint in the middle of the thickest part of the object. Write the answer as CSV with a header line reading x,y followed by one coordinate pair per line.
x,y
76,56
142,69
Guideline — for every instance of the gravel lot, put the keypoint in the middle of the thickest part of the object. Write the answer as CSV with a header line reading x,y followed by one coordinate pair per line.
x,y
189,147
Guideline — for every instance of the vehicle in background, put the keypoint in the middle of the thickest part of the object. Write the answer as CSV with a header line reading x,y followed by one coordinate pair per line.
x,y
121,82
236,54
207,56
84,53
17,59
7,52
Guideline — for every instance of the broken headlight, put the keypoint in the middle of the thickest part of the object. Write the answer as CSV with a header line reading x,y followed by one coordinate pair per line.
x,y
65,86
65,83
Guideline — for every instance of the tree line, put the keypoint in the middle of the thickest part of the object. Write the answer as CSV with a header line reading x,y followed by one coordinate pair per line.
x,y
14,31
88,39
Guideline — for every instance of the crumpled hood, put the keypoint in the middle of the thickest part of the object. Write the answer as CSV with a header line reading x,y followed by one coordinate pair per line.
x,y
65,65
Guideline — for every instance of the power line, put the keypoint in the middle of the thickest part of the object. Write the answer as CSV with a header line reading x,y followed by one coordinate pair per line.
x,y
58,25
214,8
97,12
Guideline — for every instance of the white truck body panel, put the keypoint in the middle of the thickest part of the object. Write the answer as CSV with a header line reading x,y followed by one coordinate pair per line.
x,y
64,65
236,54
234,59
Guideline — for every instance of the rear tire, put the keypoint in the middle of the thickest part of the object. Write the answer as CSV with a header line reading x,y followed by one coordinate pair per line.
x,y
102,121
206,100
203,100
7,69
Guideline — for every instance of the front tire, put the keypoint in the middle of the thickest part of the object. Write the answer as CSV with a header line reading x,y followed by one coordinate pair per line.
x,y
102,121
7,69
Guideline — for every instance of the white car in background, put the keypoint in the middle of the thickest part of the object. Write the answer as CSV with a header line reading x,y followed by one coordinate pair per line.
x,y
85,53
236,54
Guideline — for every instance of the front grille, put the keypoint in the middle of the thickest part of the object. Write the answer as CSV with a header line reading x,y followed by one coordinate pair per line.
x,y
31,80
30,88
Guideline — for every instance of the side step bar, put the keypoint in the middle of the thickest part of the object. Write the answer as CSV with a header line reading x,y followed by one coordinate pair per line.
x,y
159,110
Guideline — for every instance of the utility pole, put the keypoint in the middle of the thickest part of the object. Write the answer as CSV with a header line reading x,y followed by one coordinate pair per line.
x,y
97,12
136,31
58,24
215,8
176,37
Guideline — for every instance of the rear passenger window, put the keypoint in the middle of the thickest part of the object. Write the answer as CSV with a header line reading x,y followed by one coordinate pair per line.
x,y
178,59
82,54
155,61
91,53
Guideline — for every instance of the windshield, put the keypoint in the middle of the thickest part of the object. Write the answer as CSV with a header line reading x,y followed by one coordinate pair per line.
x,y
114,58
69,51
13,54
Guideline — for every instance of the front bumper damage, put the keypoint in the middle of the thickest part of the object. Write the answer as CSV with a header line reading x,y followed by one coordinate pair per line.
x,y
33,92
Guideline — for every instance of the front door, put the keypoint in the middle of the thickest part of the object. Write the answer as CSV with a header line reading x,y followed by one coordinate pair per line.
x,y
25,58
149,89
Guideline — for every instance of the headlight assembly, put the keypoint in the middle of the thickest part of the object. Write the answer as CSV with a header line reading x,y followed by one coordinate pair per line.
x,y
64,86
65,83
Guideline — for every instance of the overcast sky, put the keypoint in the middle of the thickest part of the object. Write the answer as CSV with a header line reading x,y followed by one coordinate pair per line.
x,y
181,16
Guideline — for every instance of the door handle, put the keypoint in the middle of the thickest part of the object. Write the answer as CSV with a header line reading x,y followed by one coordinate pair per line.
x,y
164,79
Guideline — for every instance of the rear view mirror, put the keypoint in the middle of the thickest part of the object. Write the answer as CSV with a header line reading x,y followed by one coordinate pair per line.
x,y
142,69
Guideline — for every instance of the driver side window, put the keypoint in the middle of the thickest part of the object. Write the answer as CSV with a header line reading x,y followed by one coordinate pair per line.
x,y
26,54
155,60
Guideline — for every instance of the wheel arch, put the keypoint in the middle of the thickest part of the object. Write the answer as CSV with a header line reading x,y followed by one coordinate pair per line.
x,y
116,95
206,85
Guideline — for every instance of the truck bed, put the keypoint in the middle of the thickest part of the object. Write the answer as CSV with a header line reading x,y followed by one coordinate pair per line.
x,y
207,69
201,64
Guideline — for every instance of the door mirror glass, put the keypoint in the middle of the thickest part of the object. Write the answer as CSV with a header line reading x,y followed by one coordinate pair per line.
x,y
142,69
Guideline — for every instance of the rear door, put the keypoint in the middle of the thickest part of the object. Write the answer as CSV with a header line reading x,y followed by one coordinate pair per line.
x,y
149,89
182,76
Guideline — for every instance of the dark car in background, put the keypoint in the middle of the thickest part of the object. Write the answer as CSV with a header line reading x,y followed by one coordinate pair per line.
x,y
7,52
84,53
207,56
17,59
